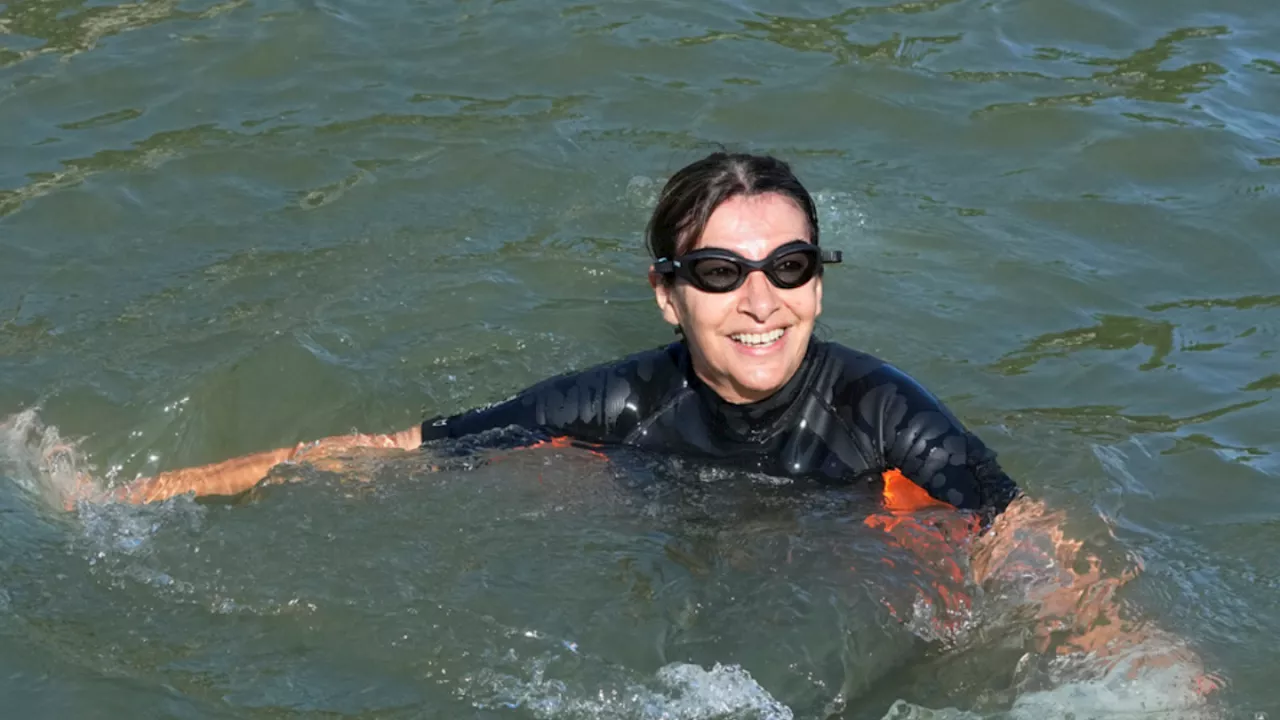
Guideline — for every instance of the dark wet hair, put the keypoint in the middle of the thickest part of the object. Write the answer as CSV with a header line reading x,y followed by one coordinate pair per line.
x,y
695,191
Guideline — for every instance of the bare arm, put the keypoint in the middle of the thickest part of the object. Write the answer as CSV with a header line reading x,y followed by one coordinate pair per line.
x,y
236,475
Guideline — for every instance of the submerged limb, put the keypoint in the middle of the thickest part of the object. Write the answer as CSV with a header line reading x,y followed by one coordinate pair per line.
x,y
1077,621
1024,560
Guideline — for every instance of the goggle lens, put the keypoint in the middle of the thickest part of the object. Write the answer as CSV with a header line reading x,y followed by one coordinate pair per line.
x,y
794,269
716,274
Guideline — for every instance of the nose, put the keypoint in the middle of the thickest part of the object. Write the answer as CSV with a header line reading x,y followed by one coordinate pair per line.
x,y
757,298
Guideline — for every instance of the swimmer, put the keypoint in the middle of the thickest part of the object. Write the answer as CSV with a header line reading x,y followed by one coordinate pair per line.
x,y
737,269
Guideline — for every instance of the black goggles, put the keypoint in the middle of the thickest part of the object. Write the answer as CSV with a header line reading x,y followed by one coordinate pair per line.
x,y
716,270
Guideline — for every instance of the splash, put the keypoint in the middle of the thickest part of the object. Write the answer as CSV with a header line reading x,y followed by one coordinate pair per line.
x,y
41,461
841,217
678,691
1117,695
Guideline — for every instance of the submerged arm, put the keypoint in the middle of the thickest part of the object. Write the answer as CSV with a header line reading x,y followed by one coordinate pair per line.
x,y
1024,548
1077,612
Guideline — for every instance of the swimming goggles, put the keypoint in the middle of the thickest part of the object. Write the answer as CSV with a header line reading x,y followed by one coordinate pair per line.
x,y
716,270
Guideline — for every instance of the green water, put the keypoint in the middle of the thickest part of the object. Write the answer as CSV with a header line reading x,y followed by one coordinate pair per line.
x,y
232,226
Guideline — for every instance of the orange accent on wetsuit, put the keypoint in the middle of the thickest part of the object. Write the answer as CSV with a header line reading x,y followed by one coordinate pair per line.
x,y
934,539
560,442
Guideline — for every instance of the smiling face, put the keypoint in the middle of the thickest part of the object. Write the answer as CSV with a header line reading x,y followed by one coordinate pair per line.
x,y
746,344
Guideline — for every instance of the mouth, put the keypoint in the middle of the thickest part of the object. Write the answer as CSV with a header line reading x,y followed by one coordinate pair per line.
x,y
758,340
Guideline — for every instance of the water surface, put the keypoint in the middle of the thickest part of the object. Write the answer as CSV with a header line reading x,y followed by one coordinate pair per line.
x,y
228,226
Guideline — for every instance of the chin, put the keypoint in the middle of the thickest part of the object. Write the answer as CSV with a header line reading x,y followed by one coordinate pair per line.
x,y
763,383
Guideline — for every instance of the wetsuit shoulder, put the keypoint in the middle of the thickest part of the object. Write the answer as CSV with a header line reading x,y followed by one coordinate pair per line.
x,y
910,430
600,404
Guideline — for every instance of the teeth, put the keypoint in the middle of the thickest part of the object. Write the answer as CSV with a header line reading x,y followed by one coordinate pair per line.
x,y
758,338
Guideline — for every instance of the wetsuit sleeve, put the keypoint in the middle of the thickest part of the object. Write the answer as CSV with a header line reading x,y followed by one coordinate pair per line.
x,y
920,437
594,406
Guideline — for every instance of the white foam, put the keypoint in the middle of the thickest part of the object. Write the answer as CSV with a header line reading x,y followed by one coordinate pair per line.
x,y
54,470
1082,688
678,692
119,530
841,218
38,459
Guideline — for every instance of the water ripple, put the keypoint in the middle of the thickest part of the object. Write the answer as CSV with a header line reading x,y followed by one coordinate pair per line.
x,y
67,28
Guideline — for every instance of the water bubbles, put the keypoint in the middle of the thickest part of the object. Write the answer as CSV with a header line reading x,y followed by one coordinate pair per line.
x,y
173,407
1129,685
641,192
678,691
841,218
118,532
40,460
903,710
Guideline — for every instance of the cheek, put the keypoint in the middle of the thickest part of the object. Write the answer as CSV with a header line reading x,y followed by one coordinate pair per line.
x,y
703,312
805,303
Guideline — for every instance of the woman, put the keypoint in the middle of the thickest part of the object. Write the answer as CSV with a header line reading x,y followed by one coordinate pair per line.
x,y
738,271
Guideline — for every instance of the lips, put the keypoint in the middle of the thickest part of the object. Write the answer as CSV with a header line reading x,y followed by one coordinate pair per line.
x,y
758,339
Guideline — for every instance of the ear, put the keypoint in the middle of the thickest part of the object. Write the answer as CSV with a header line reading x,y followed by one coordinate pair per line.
x,y
818,290
662,292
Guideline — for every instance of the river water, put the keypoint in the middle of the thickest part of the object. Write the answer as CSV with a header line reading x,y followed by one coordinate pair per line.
x,y
230,226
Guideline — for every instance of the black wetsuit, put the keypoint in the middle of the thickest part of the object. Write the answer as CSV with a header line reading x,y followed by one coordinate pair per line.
x,y
844,417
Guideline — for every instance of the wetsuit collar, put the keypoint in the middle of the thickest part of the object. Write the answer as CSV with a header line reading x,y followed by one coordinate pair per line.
x,y
756,421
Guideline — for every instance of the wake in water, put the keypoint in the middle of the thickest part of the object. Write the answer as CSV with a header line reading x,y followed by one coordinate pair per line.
x,y
1022,584
677,691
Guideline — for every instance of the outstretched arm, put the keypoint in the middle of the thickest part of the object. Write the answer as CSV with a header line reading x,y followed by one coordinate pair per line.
x,y
572,405
236,475
595,405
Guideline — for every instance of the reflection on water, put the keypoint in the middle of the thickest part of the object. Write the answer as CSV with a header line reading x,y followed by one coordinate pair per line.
x,y
1111,333
68,27
147,154
1242,303
1140,76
